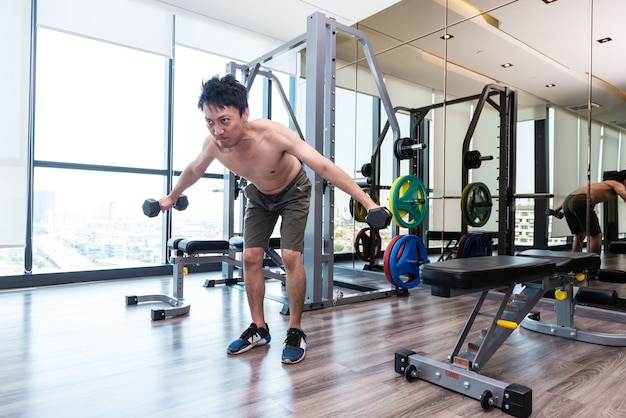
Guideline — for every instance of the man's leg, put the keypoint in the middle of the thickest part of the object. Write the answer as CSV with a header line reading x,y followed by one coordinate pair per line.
x,y
295,284
255,283
295,343
579,238
595,244
258,332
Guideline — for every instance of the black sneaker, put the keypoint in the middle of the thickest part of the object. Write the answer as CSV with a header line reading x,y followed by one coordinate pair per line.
x,y
250,338
295,346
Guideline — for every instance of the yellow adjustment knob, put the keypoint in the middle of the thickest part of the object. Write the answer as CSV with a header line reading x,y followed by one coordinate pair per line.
x,y
580,277
185,271
506,324
561,294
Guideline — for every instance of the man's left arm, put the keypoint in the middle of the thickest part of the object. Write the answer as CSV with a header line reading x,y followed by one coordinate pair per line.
x,y
333,174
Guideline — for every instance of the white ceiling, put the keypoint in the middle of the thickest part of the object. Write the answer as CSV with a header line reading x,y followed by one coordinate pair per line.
x,y
546,43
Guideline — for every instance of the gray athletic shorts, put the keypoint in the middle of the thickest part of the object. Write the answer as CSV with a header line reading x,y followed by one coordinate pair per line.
x,y
263,210
575,211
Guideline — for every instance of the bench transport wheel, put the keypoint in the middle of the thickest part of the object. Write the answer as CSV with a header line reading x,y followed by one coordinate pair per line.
x,y
485,399
410,373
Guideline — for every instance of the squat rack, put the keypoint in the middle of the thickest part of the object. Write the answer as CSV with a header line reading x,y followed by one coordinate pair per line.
x,y
506,105
319,42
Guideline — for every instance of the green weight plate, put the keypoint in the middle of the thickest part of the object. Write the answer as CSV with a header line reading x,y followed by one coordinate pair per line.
x,y
476,204
408,201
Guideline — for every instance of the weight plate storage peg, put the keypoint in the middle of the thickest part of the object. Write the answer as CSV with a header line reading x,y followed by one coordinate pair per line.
x,y
476,204
403,260
408,201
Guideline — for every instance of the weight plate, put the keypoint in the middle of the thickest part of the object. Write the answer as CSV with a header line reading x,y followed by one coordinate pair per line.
x,y
408,201
476,204
386,258
477,245
406,257
357,210
461,244
362,244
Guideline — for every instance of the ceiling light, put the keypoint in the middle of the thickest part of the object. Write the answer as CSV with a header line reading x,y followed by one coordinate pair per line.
x,y
446,36
585,106
550,85
507,65
548,1
605,40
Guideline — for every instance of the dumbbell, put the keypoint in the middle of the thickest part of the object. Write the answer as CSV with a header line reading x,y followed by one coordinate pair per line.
x,y
378,218
550,212
151,207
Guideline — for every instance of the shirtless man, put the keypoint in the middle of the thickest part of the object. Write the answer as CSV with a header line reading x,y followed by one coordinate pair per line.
x,y
270,156
575,210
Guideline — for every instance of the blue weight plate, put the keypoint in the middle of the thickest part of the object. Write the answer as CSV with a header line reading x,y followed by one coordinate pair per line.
x,y
477,245
407,256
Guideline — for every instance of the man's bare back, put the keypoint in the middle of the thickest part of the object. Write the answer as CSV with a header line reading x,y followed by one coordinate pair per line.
x,y
603,191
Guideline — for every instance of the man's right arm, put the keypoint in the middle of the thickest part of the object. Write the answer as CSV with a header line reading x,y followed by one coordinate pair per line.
x,y
190,175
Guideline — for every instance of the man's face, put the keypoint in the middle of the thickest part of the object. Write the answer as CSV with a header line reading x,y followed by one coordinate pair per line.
x,y
225,124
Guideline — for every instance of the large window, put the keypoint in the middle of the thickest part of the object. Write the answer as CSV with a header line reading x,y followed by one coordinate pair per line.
x,y
204,216
100,119
98,103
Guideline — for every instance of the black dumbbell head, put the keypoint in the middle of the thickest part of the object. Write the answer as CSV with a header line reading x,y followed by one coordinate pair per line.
x,y
181,203
378,218
151,208
553,213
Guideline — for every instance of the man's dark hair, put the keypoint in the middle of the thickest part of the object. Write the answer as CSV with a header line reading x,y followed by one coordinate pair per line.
x,y
222,92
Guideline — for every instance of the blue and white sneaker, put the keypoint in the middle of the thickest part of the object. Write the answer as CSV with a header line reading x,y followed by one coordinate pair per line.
x,y
295,346
251,337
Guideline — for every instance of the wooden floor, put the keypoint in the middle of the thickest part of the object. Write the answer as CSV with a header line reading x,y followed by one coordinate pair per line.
x,y
79,351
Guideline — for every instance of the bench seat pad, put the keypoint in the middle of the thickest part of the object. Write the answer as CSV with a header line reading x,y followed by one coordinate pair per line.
x,y
618,247
567,261
200,247
486,272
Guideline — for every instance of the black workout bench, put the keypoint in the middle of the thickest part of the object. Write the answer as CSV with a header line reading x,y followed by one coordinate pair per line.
x,y
568,299
185,252
530,278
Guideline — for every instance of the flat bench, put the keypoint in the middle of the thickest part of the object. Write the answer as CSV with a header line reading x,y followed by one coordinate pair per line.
x,y
617,247
185,252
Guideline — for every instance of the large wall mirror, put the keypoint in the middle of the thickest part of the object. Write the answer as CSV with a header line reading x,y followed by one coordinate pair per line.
x,y
444,51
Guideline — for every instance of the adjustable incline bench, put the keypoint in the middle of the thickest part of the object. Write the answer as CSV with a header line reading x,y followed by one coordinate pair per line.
x,y
534,276
569,297
185,252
